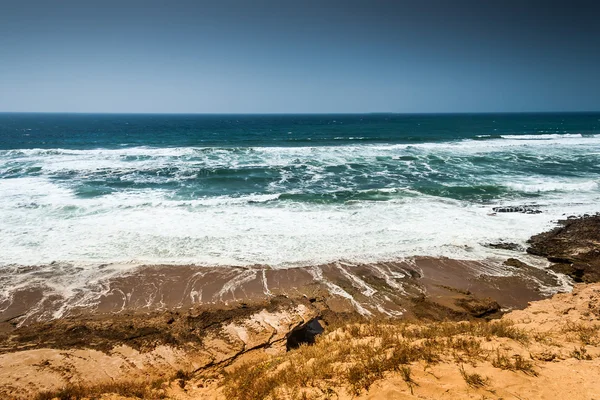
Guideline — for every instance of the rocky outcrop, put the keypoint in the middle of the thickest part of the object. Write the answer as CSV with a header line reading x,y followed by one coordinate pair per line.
x,y
385,288
573,248
92,350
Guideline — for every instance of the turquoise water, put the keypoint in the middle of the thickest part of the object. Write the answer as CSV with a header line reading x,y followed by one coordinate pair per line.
x,y
285,189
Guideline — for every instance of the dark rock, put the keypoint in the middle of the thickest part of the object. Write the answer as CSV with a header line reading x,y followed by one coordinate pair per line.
x,y
455,290
576,273
519,209
573,248
513,262
306,334
560,260
506,246
478,307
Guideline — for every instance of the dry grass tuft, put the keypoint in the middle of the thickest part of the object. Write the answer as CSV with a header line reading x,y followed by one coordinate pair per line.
x,y
406,374
588,335
474,380
485,329
515,363
581,354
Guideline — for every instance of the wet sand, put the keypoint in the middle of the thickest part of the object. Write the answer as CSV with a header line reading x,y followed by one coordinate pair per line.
x,y
385,288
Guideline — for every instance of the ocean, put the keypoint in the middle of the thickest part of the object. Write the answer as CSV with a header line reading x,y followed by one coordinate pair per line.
x,y
286,190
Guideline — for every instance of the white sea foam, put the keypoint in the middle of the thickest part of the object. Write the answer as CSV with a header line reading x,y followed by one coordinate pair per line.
x,y
541,184
147,227
545,136
43,220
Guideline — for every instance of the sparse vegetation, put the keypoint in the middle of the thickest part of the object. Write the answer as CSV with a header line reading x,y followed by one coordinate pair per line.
x,y
526,366
351,358
544,337
135,389
472,328
354,356
151,390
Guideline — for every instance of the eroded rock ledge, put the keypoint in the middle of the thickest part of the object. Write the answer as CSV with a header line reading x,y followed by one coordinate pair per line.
x,y
573,248
94,349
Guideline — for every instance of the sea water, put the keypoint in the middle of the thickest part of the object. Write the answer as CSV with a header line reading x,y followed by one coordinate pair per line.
x,y
286,190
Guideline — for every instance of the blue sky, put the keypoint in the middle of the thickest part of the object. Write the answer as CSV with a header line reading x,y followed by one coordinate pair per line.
x,y
299,57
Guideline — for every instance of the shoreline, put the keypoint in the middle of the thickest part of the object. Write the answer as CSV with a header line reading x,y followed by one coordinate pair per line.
x,y
162,321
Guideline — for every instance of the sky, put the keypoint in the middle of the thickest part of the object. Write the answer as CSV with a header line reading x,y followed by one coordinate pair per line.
x,y
257,56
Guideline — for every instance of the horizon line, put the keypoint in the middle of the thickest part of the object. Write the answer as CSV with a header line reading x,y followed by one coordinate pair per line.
x,y
301,113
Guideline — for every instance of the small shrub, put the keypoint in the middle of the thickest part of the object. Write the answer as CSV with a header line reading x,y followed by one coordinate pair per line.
x,y
501,361
402,353
429,351
505,329
524,365
465,348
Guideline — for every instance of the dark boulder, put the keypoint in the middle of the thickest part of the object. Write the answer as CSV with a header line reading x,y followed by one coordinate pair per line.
x,y
513,262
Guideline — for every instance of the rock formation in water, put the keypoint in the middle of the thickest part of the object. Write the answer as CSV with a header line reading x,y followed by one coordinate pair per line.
x,y
519,209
